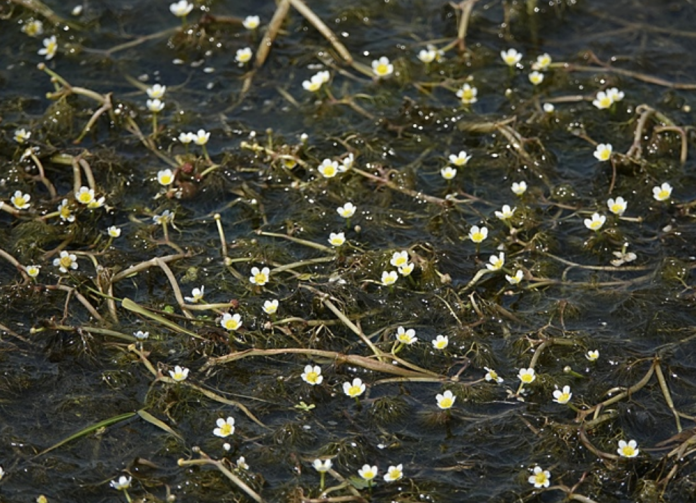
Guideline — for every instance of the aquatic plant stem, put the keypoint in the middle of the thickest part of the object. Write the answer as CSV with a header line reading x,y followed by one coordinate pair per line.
x,y
206,460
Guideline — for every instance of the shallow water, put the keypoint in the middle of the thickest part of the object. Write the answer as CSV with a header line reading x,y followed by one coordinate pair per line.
x,y
64,370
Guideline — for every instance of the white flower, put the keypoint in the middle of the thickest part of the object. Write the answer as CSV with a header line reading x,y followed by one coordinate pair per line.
x,y
448,173
313,84
614,94
322,466
347,162
399,258
445,400
354,389
519,188
492,375
140,335
542,62
623,256
394,473
602,100
382,67
122,483
33,27
33,271
20,200
242,464
65,262
337,239
596,222
179,373
467,94
628,450
603,152
368,472
259,277
155,105
428,55
662,192
562,397
459,160
526,375
406,336
389,278
406,269
243,55
196,295
21,135
312,375
270,306
347,210
617,206
513,280
187,138
156,91
478,234
496,262
328,168
201,137
541,478
165,177
548,108
592,355
225,427
511,57
536,78
251,22
181,8
84,195
50,47
231,322
2,473
113,231
166,217
440,342
96,203
506,213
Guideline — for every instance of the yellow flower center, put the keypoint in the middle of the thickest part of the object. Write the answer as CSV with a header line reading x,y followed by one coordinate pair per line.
x,y
398,262
446,403
526,378
605,102
540,478
493,375
260,278
616,208
64,212
354,391
312,377
477,237
66,262
596,224
382,69
85,197
20,201
628,451
394,474
467,94
564,397
166,179
663,194
329,171
231,324
226,429
368,475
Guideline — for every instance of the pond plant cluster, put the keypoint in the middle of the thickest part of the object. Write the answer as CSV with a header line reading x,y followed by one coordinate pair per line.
x,y
327,252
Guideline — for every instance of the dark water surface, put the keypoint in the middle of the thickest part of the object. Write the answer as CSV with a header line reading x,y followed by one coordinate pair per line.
x,y
68,358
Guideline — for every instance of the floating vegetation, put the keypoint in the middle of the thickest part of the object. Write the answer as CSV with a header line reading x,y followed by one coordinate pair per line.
x,y
324,252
